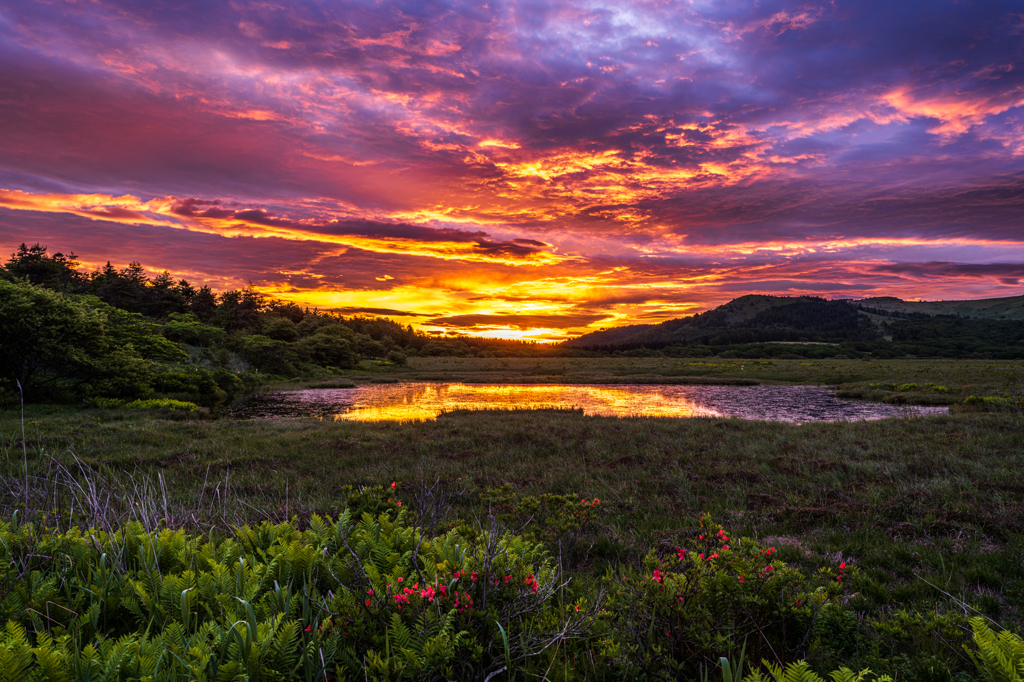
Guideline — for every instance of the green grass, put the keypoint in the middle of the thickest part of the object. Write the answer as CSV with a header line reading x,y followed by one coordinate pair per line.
x,y
935,499
934,381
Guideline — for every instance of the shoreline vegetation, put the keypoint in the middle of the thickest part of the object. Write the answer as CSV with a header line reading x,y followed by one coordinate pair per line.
x,y
117,336
146,535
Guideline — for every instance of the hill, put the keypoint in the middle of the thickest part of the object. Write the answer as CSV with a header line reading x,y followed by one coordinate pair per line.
x,y
1011,308
773,326
748,319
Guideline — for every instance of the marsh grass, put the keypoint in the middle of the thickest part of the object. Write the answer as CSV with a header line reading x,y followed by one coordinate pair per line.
x,y
909,500
911,381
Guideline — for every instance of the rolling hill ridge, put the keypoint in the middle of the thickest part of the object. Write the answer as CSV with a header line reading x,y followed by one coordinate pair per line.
x,y
880,327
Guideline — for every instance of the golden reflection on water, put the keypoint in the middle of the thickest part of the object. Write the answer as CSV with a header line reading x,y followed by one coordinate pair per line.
x,y
426,401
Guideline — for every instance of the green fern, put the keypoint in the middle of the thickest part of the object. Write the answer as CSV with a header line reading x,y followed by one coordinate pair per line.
x,y
999,657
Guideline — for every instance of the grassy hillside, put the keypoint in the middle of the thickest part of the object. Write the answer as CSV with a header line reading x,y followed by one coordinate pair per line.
x,y
755,326
1011,308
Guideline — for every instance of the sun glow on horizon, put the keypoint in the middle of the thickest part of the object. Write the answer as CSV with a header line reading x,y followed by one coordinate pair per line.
x,y
467,172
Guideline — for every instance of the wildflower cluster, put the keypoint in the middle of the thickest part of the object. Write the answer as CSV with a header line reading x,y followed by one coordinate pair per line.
x,y
706,589
570,522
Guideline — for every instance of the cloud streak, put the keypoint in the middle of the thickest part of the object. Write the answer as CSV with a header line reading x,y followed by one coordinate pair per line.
x,y
591,162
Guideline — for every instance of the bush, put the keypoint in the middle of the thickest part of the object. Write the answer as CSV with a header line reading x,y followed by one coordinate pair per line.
x,y
348,598
674,615
162,404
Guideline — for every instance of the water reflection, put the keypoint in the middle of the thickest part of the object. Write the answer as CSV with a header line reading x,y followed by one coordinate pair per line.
x,y
410,401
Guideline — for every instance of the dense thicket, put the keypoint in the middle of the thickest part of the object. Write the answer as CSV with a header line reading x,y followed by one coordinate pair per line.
x,y
120,334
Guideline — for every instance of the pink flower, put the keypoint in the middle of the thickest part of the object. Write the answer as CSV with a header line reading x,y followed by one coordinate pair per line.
x,y
657,576
367,603
399,504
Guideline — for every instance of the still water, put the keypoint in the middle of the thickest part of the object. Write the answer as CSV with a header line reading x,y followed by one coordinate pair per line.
x,y
407,401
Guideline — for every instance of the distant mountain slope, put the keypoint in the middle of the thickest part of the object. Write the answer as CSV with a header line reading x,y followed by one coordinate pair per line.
x,y
1011,308
765,319
748,319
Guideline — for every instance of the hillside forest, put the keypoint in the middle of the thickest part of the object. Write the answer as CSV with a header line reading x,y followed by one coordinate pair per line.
x,y
118,334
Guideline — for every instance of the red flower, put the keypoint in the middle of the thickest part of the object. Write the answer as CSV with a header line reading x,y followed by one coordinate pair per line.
x,y
393,485
657,576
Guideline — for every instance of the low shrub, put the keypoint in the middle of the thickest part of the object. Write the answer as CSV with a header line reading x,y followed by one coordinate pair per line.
x,y
162,404
348,598
674,615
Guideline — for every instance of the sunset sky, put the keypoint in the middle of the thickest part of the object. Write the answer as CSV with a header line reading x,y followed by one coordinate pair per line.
x,y
522,169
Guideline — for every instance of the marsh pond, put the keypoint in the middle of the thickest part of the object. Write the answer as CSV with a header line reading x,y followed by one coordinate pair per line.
x,y
409,401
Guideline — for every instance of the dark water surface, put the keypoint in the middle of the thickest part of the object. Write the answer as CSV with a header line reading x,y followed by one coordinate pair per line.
x,y
407,401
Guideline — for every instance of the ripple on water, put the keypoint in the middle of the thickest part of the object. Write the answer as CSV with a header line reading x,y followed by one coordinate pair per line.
x,y
409,401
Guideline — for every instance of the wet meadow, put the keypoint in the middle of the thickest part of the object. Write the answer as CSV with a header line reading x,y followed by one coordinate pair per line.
x,y
929,511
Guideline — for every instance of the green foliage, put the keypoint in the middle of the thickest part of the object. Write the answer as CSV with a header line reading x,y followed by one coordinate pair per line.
x,y
162,404
976,403
53,345
999,657
346,596
330,345
674,615
800,671
568,524
132,329
186,328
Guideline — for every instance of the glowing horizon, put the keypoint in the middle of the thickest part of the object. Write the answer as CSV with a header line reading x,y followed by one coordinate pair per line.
x,y
522,171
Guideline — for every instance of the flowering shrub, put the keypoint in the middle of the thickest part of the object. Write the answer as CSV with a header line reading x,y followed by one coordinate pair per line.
x,y
673,614
567,524
344,599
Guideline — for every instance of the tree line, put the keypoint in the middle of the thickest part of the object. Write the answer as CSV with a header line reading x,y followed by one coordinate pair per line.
x,y
118,333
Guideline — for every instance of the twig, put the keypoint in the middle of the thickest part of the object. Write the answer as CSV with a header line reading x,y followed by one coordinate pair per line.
x,y
961,602
24,443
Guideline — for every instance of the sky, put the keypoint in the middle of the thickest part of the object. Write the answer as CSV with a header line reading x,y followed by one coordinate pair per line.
x,y
522,169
